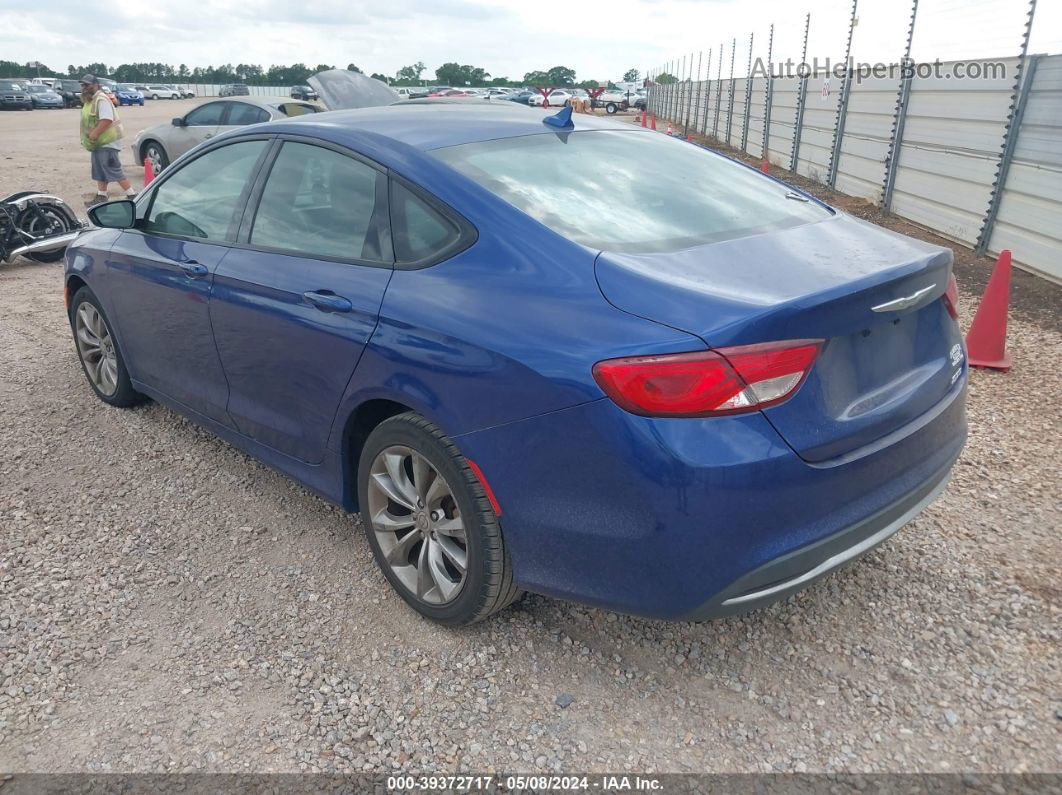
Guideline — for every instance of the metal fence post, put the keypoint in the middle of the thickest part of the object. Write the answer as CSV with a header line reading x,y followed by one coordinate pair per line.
x,y
748,98
688,97
689,101
707,89
842,105
768,91
899,116
675,86
665,93
802,95
730,93
677,110
689,111
718,92
1019,99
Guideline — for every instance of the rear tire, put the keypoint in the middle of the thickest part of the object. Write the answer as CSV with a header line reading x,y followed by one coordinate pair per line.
x,y
442,519
99,353
31,222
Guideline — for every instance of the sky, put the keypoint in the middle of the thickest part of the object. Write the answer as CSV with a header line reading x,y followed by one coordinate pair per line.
x,y
600,40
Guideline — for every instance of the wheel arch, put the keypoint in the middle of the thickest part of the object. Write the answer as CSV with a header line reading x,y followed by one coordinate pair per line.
x,y
73,284
359,424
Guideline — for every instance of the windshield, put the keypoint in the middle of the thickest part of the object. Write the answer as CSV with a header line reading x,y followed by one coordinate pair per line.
x,y
36,89
8,86
672,195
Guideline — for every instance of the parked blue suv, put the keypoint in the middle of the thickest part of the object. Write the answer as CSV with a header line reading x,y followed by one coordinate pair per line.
x,y
429,314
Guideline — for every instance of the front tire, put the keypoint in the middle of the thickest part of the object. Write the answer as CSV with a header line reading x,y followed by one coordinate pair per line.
x,y
154,152
430,524
97,349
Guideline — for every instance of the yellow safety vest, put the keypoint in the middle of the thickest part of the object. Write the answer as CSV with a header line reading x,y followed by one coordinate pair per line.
x,y
90,118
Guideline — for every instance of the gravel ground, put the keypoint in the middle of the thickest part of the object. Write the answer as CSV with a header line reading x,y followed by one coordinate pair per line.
x,y
168,604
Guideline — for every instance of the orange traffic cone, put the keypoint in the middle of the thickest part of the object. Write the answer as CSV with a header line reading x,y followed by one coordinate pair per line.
x,y
986,342
643,118
669,130
149,172
653,125
765,167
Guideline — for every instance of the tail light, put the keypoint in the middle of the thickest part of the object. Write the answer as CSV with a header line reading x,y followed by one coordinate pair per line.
x,y
951,297
708,383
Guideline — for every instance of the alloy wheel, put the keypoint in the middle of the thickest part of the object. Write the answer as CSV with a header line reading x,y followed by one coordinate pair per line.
x,y
155,156
96,348
418,525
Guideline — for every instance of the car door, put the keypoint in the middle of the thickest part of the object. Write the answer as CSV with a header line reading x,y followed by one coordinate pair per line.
x,y
200,124
293,307
240,114
162,270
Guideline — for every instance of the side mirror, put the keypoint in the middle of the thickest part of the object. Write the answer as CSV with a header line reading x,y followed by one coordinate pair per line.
x,y
178,122
114,215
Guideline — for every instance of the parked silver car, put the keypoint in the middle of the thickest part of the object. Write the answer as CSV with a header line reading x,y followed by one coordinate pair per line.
x,y
163,144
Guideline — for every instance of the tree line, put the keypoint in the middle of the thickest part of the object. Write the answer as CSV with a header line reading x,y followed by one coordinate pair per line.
x,y
451,74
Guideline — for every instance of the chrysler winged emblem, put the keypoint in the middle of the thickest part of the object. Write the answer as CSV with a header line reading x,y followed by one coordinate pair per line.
x,y
903,303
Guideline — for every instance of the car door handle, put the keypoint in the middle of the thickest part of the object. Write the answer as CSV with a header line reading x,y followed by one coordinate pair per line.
x,y
193,268
327,301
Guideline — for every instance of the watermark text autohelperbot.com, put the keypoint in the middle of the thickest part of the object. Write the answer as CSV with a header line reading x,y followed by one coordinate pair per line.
x,y
905,69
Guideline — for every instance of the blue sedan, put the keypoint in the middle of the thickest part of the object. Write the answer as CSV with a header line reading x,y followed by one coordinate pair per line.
x,y
671,386
128,95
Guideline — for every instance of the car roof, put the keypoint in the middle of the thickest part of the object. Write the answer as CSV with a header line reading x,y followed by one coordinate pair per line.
x,y
438,124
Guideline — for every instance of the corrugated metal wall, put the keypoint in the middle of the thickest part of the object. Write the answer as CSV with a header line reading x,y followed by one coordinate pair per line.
x,y
1030,211
946,163
950,151
867,130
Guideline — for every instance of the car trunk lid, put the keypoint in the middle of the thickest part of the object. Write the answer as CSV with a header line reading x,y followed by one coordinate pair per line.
x,y
892,351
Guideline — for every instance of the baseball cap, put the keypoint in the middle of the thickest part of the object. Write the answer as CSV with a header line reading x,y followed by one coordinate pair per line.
x,y
88,79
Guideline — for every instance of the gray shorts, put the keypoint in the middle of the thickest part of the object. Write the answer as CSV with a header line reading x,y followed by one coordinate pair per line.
x,y
106,167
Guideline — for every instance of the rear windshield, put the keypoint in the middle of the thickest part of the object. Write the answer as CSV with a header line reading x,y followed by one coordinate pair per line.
x,y
630,191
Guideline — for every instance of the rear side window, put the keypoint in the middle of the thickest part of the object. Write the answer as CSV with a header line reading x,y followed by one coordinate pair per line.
x,y
241,113
645,193
318,203
419,231
201,199
298,109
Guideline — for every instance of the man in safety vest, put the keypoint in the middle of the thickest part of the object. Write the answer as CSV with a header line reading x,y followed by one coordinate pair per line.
x,y
101,133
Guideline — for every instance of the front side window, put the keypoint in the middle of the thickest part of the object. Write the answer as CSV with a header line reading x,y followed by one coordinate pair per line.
x,y
240,113
202,198
318,203
208,115
651,193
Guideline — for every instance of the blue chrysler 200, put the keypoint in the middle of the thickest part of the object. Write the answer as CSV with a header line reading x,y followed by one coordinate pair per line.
x,y
430,315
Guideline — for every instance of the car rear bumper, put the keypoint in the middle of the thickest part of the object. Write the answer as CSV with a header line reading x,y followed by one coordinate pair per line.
x,y
796,570
690,519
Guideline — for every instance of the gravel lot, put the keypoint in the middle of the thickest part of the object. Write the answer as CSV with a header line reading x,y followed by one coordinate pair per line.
x,y
168,604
